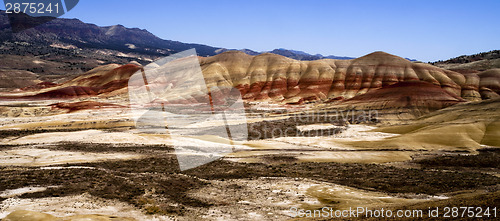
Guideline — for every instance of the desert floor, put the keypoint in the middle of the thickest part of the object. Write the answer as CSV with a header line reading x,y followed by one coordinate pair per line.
x,y
94,164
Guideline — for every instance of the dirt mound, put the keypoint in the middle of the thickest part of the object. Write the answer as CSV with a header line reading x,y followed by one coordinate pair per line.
x,y
66,92
105,76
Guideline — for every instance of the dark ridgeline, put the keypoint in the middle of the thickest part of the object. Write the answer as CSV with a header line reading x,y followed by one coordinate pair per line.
x,y
83,35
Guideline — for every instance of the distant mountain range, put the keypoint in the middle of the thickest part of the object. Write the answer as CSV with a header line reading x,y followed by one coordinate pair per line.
x,y
115,43
73,32
297,55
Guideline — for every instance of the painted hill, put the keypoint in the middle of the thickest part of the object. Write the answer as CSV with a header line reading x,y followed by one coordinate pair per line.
x,y
104,80
279,79
375,81
407,94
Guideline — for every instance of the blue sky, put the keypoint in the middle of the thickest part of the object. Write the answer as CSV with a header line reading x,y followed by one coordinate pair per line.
x,y
424,30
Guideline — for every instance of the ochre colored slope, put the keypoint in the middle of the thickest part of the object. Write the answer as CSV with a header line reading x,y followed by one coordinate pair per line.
x,y
461,127
489,85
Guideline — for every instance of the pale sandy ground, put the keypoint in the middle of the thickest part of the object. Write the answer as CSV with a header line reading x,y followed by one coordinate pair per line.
x,y
259,199
34,118
315,127
324,156
44,157
21,191
76,205
38,115
323,149
311,149
354,132
99,136
272,198
256,199
266,198
334,142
